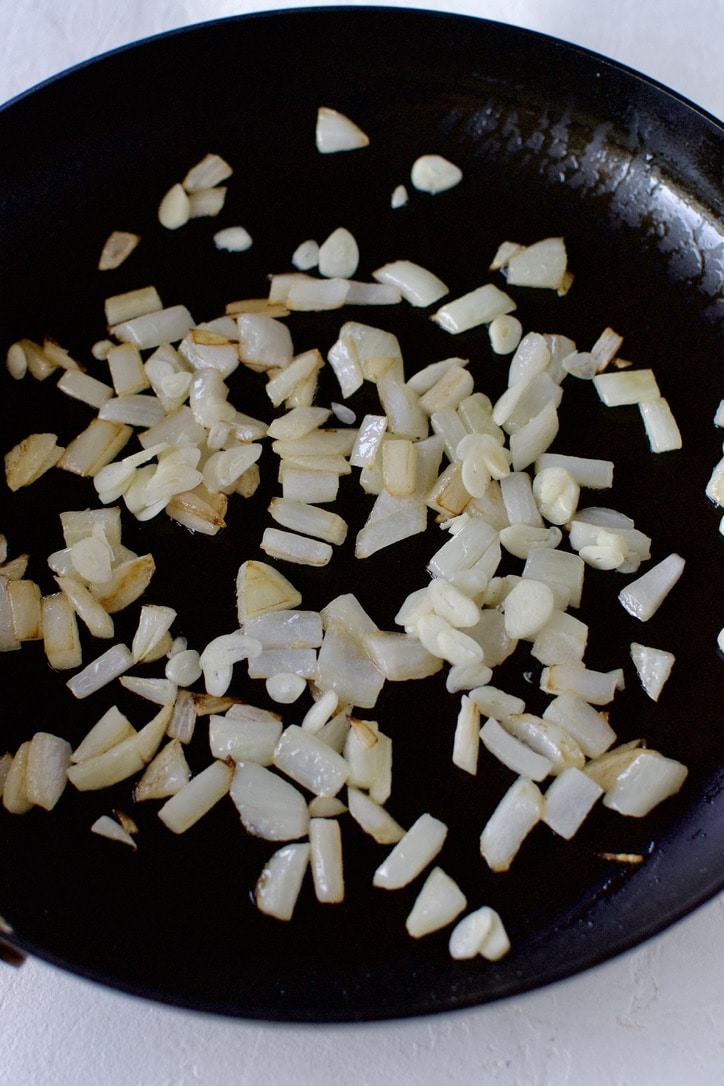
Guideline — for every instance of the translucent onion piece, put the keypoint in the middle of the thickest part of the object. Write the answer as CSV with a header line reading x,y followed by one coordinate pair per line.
x,y
336,132
412,853
196,798
439,902
433,174
280,882
643,597
520,809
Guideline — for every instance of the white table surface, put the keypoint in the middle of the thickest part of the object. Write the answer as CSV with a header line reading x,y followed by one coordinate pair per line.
x,y
653,1017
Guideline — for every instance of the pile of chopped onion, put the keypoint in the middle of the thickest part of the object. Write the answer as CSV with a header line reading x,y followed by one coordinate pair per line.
x,y
436,444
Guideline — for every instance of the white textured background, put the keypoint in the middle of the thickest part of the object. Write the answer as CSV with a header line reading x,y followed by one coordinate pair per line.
x,y
654,1017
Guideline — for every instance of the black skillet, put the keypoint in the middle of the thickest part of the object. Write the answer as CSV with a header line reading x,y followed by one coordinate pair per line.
x,y
552,140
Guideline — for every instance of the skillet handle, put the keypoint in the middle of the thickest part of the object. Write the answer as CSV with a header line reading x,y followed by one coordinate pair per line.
x,y
9,954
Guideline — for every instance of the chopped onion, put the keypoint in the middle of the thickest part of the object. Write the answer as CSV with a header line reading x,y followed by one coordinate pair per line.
x,y
645,782
480,932
118,247
418,286
479,306
433,174
643,597
105,826
338,255
197,797
439,902
336,132
520,809
653,667
568,801
413,852
325,841
280,882
269,806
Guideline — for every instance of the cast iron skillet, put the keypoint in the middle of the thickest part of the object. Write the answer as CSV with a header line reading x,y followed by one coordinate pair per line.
x,y
552,140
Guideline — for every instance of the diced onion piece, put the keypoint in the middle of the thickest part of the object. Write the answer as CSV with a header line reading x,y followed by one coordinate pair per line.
x,y
562,640
130,304
310,762
520,809
196,798
439,902
127,582
174,208
24,599
627,387
31,458
649,779
542,264
466,743
660,425
118,247
433,174
546,738
480,306
320,713
81,386
269,806
261,588
101,671
338,255
168,325
532,439
245,734
588,472
308,519
557,493
277,888
220,655
336,132
48,759
514,753
505,332
184,668
286,629
588,727
325,842
165,775
112,728
643,597
105,826
418,286
528,607
14,794
568,801
306,255
605,348
496,703
233,239
153,623
119,762
715,486
210,171
373,818
399,197
17,361
61,641
412,853
159,691
480,932
653,667
595,687
291,547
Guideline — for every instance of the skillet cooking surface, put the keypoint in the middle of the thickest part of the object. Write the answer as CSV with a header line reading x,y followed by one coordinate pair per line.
x,y
552,140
